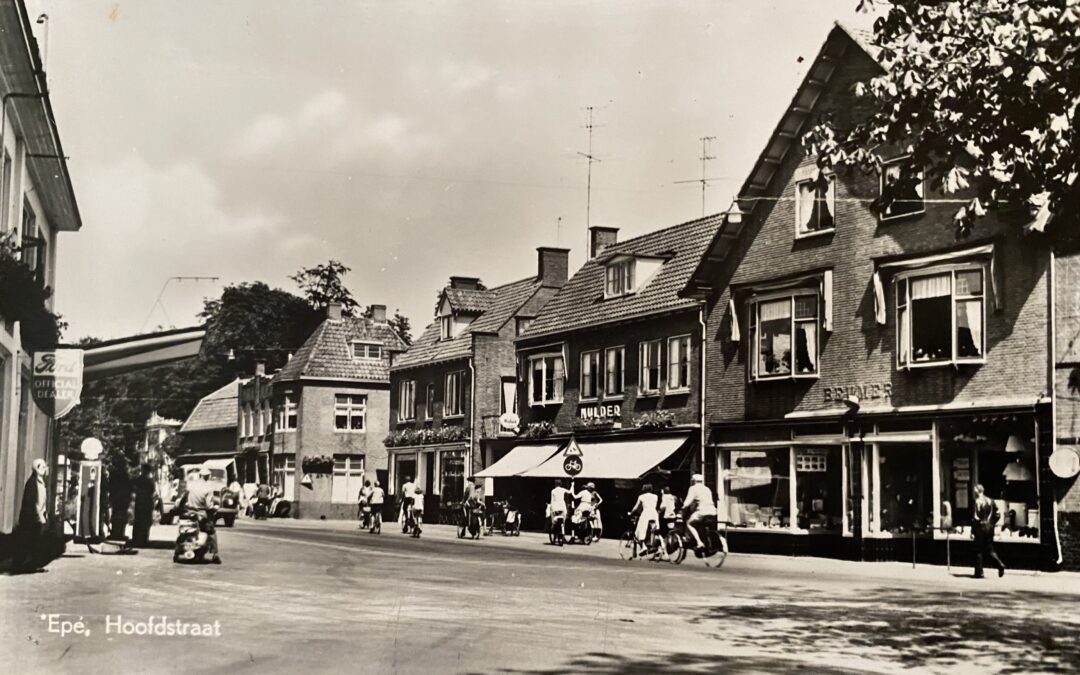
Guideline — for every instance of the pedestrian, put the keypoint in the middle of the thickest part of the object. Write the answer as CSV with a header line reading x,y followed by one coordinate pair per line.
x,y
145,496
984,517
33,519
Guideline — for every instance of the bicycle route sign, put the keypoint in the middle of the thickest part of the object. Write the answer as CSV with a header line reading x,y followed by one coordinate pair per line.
x,y
572,465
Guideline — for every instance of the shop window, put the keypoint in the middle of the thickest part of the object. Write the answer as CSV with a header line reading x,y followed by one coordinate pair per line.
x,y
815,205
940,317
546,379
757,487
454,398
819,489
774,323
348,479
902,189
678,364
350,411
590,374
619,278
451,476
651,367
1005,467
904,479
404,469
407,400
614,371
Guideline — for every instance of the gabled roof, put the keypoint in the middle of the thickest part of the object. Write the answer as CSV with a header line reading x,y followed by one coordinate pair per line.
x,y
581,303
501,304
327,354
785,136
216,410
467,300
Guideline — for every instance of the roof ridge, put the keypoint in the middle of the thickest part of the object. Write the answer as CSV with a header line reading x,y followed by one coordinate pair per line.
x,y
652,233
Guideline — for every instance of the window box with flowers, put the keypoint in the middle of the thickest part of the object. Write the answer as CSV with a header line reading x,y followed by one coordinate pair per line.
x,y
318,464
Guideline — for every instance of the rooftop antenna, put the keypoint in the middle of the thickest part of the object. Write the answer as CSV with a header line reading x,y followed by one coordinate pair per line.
x,y
588,183
158,303
705,157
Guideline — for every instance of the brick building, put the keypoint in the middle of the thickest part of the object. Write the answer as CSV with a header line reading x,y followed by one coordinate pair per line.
x,y
255,428
865,370
453,399
331,403
612,362
209,432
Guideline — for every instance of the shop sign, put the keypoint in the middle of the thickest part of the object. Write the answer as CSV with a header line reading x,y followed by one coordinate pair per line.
x,y
1065,462
600,412
57,381
864,392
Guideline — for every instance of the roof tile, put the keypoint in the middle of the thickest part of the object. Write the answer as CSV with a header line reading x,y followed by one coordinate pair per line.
x,y
327,354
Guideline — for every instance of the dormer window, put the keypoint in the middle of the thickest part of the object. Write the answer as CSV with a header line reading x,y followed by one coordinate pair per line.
x,y
366,350
446,324
619,278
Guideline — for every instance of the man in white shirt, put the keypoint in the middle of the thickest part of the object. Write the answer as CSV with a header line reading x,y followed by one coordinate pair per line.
x,y
408,490
699,507
557,510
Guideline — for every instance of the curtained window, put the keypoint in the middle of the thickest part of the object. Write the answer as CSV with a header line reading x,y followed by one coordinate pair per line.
x,y
784,334
815,204
940,316
901,189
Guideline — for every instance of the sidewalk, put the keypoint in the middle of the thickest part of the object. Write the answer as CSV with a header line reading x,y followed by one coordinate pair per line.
x,y
958,578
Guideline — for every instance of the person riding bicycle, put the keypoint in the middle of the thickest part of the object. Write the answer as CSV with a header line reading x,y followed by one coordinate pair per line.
x,y
408,488
363,505
699,508
557,503
669,510
376,500
473,499
417,508
647,517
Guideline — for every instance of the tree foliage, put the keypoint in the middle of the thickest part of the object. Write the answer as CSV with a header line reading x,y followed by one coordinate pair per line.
x,y
402,326
325,284
983,94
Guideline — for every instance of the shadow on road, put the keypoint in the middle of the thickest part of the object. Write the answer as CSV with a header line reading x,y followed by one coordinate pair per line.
x,y
1016,631
680,664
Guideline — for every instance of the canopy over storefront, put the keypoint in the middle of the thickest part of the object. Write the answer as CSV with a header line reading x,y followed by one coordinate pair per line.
x,y
618,459
521,459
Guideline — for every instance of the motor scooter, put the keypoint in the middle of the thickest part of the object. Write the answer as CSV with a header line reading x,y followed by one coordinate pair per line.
x,y
194,538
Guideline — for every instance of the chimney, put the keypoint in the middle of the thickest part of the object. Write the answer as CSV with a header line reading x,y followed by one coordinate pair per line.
x,y
260,369
378,313
333,311
552,266
465,283
600,238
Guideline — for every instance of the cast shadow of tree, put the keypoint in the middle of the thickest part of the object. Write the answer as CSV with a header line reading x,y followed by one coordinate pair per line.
x,y
679,663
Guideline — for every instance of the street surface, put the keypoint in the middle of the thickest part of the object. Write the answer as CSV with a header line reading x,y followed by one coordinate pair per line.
x,y
321,597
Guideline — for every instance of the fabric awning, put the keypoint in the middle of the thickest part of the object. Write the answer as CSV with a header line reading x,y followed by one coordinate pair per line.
x,y
519,460
626,459
218,463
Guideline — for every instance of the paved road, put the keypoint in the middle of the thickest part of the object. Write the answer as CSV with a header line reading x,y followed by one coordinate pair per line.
x,y
320,596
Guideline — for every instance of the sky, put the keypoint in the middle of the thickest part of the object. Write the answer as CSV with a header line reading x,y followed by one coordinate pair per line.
x,y
413,141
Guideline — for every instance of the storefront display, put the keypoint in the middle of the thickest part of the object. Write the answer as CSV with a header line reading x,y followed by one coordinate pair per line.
x,y
756,487
819,489
451,476
905,481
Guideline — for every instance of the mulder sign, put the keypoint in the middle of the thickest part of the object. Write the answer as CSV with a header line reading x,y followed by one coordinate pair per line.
x,y
57,381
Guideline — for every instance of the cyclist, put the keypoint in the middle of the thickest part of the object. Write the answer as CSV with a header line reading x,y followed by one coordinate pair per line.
x,y
408,488
472,500
417,509
647,517
669,510
377,498
557,508
363,505
699,508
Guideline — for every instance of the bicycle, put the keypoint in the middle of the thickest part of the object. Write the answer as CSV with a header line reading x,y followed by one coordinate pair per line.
x,y
470,522
679,540
629,545
376,520
556,531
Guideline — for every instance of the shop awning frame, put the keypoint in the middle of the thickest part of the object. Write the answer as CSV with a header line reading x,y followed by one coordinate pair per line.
x,y
521,459
627,459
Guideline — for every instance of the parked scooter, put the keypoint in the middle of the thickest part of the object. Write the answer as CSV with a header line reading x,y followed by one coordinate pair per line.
x,y
193,542
511,526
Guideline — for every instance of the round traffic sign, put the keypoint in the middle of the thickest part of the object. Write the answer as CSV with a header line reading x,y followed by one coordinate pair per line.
x,y
572,465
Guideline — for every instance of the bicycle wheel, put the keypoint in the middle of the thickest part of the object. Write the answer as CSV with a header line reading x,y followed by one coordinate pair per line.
x,y
715,549
627,546
676,548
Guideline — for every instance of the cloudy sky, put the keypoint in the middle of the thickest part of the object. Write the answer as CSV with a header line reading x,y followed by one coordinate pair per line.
x,y
410,140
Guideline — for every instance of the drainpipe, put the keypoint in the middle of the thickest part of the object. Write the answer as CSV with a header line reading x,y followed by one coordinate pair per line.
x,y
473,438
701,384
1051,366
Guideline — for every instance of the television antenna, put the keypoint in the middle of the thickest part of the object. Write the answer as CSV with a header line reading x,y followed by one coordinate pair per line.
x,y
705,159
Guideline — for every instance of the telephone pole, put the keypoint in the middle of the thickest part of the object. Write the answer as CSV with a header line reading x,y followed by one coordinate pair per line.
x,y
705,158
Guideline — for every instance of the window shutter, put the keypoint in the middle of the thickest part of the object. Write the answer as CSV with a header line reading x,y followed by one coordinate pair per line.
x,y
826,301
879,299
736,336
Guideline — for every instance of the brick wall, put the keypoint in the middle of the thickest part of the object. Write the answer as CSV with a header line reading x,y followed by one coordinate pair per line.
x,y
684,407
858,351
434,374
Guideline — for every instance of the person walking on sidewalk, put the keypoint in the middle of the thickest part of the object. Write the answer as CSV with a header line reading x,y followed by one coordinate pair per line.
x,y
985,518
33,519
145,498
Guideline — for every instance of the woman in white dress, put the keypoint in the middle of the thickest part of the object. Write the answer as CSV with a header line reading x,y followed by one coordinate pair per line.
x,y
648,518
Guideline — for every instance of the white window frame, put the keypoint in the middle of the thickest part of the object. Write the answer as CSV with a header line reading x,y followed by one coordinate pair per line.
x,y
363,350
619,278
287,415
644,366
683,345
549,398
607,393
446,327
454,395
830,198
349,472
406,400
902,159
596,375
347,405
905,278
754,345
